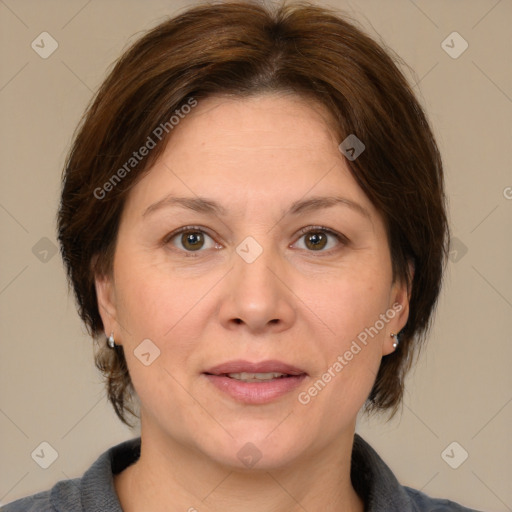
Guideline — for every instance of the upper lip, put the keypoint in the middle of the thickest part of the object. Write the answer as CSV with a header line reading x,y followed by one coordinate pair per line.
x,y
240,366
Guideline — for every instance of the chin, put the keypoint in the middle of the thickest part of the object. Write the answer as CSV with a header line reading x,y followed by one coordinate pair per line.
x,y
257,450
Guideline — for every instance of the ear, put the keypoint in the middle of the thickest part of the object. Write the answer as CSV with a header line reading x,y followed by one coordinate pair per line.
x,y
105,292
400,297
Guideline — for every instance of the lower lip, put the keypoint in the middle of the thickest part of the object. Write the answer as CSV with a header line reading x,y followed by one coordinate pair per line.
x,y
256,392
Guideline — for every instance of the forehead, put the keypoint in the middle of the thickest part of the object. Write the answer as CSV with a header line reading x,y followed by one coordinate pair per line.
x,y
272,148
257,122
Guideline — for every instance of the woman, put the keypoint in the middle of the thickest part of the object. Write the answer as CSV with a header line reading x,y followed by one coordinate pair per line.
x,y
253,215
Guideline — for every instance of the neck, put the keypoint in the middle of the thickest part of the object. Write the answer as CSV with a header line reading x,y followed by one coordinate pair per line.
x,y
171,477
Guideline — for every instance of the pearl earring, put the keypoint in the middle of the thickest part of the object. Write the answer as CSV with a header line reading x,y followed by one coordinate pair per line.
x,y
110,340
395,343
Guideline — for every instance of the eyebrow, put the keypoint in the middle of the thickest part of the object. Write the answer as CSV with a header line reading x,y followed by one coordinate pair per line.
x,y
321,202
208,206
197,204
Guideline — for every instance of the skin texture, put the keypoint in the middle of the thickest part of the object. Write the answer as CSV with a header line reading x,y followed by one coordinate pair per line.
x,y
298,302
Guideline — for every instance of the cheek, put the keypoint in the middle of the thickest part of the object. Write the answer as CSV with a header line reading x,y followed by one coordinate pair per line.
x,y
152,300
151,307
355,312
349,302
156,304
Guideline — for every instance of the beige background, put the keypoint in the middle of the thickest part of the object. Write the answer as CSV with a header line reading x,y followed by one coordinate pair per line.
x,y
461,390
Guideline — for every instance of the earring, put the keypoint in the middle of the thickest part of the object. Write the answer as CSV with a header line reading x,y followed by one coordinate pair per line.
x,y
395,343
110,340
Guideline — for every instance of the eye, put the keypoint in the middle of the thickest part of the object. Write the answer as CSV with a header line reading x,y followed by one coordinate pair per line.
x,y
316,238
190,239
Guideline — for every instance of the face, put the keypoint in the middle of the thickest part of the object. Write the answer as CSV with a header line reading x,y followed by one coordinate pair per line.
x,y
252,288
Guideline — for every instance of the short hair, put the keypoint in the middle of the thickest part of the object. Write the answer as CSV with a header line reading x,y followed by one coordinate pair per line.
x,y
242,49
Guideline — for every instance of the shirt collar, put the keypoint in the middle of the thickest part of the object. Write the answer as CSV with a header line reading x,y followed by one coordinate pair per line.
x,y
374,481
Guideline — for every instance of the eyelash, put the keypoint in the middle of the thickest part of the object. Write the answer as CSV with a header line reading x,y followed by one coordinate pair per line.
x,y
194,229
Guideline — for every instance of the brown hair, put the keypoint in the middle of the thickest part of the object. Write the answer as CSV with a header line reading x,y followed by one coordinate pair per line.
x,y
243,48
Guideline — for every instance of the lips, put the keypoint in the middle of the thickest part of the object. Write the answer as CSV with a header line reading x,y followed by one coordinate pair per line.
x,y
255,383
241,366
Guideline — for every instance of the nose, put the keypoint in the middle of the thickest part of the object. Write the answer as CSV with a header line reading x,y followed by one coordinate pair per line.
x,y
257,295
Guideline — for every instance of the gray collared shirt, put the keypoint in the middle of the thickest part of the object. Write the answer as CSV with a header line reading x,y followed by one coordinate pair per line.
x,y
95,491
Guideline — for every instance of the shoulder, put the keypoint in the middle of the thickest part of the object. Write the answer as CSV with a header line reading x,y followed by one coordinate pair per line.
x,y
63,496
422,502
39,502
374,481
93,492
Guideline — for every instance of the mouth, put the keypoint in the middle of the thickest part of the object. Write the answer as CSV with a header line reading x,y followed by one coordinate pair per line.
x,y
255,372
256,377
255,383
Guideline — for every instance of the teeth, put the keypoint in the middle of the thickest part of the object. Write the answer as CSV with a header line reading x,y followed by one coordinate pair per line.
x,y
255,377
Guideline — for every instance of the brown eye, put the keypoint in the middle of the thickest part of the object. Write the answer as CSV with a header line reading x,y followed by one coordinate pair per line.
x,y
192,240
321,240
315,240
